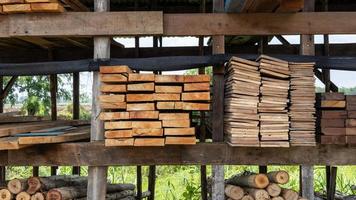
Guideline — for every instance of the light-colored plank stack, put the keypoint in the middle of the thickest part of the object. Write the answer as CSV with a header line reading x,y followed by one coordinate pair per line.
x,y
149,109
29,6
61,188
242,88
302,108
274,120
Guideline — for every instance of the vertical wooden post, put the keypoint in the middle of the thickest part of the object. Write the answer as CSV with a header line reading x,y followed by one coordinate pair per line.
x,y
35,171
152,181
97,178
139,182
2,168
307,171
76,108
53,91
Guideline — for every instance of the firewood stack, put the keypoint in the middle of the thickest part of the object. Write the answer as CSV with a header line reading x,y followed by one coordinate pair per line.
x,y
302,108
338,118
148,109
250,186
242,89
30,6
61,188
274,127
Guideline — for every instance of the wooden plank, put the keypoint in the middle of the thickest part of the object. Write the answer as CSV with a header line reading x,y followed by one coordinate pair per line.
x,y
170,105
180,140
140,97
118,125
173,116
94,154
10,143
139,132
16,8
179,131
144,115
196,78
114,115
351,139
332,123
333,131
350,122
146,124
196,96
140,106
196,106
111,105
47,7
12,1
113,88
168,89
112,98
119,142
119,134
334,114
141,77
333,139
182,123
351,114
196,87
118,69
40,1
113,78
336,96
169,79
333,104
149,142
141,87
166,97
350,131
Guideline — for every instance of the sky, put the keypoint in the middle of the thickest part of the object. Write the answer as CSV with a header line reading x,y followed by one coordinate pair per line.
x,y
340,78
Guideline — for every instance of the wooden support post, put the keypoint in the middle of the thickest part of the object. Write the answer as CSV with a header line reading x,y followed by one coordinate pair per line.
x,y
97,177
2,168
331,173
139,182
35,171
1,94
152,181
307,171
53,91
76,108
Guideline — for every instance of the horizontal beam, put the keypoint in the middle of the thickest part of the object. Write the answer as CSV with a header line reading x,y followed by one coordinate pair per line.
x,y
94,154
78,24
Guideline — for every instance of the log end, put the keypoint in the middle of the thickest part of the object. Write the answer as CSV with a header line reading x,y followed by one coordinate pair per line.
x,y
273,190
247,197
261,181
14,186
234,192
34,185
5,194
53,195
282,177
23,196
38,196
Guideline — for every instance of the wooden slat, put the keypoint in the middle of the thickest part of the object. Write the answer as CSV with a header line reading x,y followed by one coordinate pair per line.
x,y
16,8
115,69
11,1
47,7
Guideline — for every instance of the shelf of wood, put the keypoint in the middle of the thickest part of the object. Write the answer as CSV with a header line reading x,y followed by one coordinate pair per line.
x,y
96,154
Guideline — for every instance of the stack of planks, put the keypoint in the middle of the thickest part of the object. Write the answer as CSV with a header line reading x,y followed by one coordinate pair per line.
x,y
30,6
20,135
148,109
250,186
302,105
61,188
274,119
242,89
338,118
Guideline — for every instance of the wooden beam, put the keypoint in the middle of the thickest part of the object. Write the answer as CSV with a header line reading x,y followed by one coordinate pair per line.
x,y
76,5
7,88
76,43
53,91
320,76
78,24
95,153
40,42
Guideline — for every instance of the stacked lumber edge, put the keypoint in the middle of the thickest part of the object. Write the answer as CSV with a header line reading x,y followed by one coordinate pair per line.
x,y
30,6
337,118
251,186
269,103
61,188
149,109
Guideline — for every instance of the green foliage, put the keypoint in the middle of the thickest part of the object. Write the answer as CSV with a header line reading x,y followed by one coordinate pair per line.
x,y
208,70
67,112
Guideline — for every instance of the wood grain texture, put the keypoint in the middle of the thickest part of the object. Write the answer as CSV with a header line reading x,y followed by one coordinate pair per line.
x,y
115,69
134,77
180,140
47,7
16,8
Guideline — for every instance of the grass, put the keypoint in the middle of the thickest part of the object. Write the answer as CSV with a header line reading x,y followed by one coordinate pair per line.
x,y
183,182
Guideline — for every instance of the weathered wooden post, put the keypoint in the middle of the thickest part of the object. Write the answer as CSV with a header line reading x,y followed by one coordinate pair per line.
x,y
97,176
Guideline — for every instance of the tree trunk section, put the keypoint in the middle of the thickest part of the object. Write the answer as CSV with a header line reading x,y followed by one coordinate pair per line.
x,y
5,194
273,190
23,196
257,194
253,181
288,194
247,197
234,192
38,196
280,177
277,198
46,183
16,186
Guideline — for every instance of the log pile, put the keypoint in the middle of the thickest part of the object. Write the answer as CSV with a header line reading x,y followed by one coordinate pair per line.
x,y
338,118
148,109
61,188
250,186
260,103
30,6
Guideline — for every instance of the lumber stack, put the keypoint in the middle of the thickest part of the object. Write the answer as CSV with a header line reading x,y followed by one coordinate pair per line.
x,y
30,6
242,89
273,108
148,109
61,188
302,105
338,118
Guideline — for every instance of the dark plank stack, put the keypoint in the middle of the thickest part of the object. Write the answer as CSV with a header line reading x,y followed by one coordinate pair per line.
x,y
242,94
148,109
302,105
273,108
338,118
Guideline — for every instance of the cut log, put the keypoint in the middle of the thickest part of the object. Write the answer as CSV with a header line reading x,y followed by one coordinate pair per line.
x,y
36,184
253,181
16,186
277,198
280,177
234,192
5,194
273,190
23,196
120,195
247,197
288,194
38,196
257,194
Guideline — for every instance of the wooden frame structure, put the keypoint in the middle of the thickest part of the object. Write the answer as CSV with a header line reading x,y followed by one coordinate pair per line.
x,y
102,25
